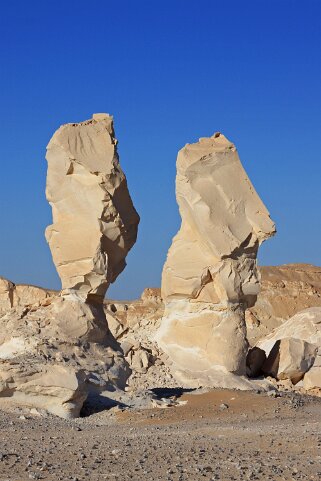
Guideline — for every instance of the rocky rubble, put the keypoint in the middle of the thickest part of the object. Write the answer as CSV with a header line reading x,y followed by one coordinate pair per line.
x,y
134,325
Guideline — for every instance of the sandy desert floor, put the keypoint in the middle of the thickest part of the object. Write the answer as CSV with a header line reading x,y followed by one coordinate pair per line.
x,y
219,435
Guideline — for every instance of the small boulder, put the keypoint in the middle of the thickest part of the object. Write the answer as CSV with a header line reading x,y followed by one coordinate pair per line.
x,y
290,359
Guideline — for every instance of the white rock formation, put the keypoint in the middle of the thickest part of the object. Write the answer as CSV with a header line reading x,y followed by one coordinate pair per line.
x,y
94,220
312,379
60,390
210,276
57,351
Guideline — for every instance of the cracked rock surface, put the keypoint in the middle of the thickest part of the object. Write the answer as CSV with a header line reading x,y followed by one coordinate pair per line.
x,y
94,220
210,276
57,352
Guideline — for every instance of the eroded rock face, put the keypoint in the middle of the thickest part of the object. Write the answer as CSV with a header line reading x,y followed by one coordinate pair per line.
x,y
210,276
57,351
94,220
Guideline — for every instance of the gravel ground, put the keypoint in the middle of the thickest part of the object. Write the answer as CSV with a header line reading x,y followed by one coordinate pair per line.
x,y
219,435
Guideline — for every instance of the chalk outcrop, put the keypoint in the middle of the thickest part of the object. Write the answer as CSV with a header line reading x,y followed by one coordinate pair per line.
x,y
58,350
18,295
94,220
210,276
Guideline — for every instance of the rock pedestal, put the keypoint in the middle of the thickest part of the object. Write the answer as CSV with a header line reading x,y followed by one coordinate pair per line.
x,y
210,276
57,351
94,220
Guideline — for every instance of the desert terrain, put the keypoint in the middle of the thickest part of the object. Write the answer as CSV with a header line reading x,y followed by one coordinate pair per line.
x,y
214,375
219,435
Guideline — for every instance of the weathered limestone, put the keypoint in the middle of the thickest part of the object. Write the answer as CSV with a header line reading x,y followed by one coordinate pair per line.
x,y
290,358
57,351
210,276
6,295
94,220
305,326
60,390
312,379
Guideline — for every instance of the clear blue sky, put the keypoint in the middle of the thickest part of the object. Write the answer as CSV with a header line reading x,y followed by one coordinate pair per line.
x,y
169,71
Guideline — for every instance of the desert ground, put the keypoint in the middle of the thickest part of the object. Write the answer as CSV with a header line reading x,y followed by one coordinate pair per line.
x,y
216,435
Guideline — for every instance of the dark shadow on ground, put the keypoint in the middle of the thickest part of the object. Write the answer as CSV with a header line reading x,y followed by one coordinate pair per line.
x,y
167,392
96,404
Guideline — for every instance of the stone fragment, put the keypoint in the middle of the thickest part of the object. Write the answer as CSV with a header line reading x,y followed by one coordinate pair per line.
x,y
60,390
94,220
290,358
210,276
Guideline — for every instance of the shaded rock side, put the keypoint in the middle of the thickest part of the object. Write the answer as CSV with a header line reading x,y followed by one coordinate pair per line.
x,y
94,220
312,379
210,276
